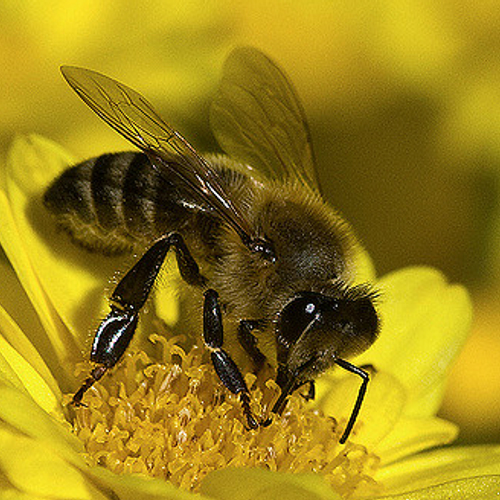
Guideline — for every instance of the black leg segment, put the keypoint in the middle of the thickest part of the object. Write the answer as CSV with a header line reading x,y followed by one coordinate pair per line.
x,y
229,374
248,341
213,334
116,330
135,286
361,394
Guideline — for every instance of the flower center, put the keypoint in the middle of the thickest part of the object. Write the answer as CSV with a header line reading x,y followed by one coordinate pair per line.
x,y
175,420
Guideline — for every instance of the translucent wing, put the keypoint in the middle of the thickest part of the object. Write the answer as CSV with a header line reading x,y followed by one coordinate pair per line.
x,y
257,118
133,117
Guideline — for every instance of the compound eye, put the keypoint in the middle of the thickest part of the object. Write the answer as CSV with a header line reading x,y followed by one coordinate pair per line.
x,y
296,317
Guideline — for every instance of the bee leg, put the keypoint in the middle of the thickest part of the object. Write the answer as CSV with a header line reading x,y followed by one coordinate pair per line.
x,y
112,338
288,384
95,375
224,365
248,341
365,376
116,330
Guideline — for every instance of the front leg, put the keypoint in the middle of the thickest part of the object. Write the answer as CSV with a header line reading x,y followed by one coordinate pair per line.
x,y
226,368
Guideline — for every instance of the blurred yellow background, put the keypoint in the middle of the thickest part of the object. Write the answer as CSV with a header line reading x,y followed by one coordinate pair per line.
x,y
403,99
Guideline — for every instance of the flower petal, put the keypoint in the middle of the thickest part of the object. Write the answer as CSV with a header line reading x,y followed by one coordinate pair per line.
x,y
33,468
476,488
136,487
248,484
24,374
467,470
382,406
425,323
412,435
23,360
20,412
21,318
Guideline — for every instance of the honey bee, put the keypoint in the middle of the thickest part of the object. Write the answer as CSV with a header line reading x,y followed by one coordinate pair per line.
x,y
270,262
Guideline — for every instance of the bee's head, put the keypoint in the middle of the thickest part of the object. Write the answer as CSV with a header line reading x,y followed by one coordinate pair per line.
x,y
315,329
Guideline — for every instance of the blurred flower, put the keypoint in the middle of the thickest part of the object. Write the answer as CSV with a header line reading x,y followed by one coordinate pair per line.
x,y
46,451
475,378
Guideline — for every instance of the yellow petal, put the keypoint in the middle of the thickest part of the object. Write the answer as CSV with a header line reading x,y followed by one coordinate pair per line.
x,y
26,362
425,322
464,470
476,488
381,409
11,493
412,435
27,378
250,484
20,412
11,243
34,469
135,487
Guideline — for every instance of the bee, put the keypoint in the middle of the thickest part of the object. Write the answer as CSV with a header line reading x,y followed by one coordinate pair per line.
x,y
268,261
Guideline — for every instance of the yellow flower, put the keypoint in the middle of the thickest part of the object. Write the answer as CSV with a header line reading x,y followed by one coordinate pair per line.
x,y
47,450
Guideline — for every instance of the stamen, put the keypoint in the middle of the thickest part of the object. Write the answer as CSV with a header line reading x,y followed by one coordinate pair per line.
x,y
175,420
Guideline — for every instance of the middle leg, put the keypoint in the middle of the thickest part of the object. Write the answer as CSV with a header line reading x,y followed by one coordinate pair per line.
x,y
227,370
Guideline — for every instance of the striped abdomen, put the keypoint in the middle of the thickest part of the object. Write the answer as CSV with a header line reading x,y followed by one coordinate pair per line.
x,y
117,201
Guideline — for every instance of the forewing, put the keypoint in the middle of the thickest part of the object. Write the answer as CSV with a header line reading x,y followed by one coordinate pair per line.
x,y
258,119
133,117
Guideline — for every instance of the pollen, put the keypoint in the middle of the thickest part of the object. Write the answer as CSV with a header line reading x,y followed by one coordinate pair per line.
x,y
174,420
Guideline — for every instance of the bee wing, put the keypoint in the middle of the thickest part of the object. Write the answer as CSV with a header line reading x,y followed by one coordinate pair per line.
x,y
134,118
257,118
